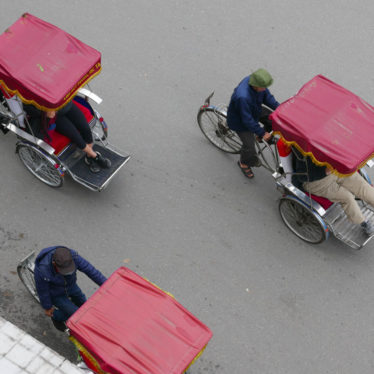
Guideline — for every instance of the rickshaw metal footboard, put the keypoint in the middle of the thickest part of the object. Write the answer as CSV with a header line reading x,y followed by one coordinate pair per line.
x,y
334,217
346,231
81,173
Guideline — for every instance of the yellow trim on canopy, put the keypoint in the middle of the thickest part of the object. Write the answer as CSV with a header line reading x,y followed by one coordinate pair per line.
x,y
196,357
315,161
88,355
68,97
93,361
96,365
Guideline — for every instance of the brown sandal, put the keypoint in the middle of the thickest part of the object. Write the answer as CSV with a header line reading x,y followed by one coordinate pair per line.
x,y
246,170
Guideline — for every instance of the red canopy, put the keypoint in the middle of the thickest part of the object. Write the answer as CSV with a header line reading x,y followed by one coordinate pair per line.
x,y
329,123
43,64
131,326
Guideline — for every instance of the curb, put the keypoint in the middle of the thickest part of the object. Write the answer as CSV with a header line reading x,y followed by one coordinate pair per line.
x,y
20,353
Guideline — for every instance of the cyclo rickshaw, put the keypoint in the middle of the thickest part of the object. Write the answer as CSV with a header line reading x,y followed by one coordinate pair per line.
x,y
43,65
129,325
323,121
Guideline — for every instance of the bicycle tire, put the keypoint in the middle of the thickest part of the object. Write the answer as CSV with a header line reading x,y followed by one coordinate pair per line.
x,y
212,123
302,221
26,274
39,165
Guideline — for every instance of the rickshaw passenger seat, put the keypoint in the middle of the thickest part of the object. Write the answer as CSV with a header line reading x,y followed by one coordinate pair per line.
x,y
84,109
57,141
325,203
286,155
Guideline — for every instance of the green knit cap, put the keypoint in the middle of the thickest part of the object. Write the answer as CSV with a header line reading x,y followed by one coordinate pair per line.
x,y
261,78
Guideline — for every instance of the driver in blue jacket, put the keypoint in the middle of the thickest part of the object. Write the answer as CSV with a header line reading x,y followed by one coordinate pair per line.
x,y
56,281
245,111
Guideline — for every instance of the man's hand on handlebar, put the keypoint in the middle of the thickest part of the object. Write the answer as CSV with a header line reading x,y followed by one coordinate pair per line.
x,y
267,136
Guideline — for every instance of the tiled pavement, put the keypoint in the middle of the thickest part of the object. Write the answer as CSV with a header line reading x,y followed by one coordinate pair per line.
x,y
20,353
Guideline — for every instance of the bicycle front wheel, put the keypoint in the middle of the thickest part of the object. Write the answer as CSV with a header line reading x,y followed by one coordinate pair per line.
x,y
26,274
213,125
38,164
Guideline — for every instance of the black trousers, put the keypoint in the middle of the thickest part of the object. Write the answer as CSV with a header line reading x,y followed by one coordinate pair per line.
x,y
248,153
72,123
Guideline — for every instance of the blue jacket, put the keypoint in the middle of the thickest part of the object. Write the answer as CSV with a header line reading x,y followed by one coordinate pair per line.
x,y
49,283
244,109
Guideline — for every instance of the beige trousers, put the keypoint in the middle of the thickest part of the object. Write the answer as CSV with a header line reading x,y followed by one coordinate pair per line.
x,y
343,191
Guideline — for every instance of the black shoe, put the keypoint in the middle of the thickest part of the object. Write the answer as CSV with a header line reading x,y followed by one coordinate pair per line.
x,y
91,162
368,228
59,325
102,161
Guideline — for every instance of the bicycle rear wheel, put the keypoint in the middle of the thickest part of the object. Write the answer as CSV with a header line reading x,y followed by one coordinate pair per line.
x,y
212,123
25,270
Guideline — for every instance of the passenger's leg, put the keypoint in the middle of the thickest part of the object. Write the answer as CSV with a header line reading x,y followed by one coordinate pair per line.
x,y
65,127
79,120
329,188
359,187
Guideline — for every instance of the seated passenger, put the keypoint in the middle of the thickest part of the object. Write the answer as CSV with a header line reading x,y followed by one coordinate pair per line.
x,y
70,122
318,180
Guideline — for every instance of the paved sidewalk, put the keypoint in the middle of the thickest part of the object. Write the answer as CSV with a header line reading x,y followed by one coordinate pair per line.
x,y
21,353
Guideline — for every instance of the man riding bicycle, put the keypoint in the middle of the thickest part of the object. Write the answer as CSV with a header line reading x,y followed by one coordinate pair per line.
x,y
56,281
244,113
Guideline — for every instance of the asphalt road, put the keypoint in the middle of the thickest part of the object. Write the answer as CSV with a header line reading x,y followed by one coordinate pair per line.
x,y
181,213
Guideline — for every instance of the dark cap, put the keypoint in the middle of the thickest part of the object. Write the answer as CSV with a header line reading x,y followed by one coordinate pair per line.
x,y
64,261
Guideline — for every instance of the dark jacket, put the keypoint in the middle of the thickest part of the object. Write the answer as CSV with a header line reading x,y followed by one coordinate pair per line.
x,y
49,283
244,109
312,171
39,122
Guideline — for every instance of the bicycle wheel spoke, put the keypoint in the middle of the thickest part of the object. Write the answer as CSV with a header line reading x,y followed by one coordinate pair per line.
x,y
26,274
301,221
40,166
213,125
47,174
